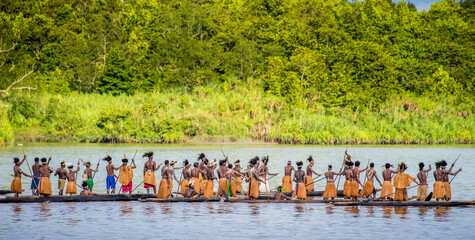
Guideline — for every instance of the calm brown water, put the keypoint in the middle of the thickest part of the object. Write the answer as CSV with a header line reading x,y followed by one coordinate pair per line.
x,y
237,220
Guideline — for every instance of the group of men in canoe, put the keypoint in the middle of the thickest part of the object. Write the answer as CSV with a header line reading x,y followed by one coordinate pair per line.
x,y
198,180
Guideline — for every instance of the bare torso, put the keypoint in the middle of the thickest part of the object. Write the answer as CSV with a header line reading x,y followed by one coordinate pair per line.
x,y
46,171
195,173
221,172
110,170
149,165
61,172
186,173
370,174
422,176
36,168
387,175
329,176
309,171
299,176
349,174
88,172
17,171
288,170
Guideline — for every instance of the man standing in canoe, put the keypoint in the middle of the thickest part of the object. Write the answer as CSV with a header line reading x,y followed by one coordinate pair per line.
x,y
348,185
401,182
110,179
237,178
222,183
62,177
149,180
263,172
253,188
231,174
299,176
209,182
356,181
287,179
387,188
126,174
330,189
71,188
195,177
163,189
438,191
422,176
35,181
310,185
88,174
369,185
171,174
16,183
45,188
185,183
202,158
445,179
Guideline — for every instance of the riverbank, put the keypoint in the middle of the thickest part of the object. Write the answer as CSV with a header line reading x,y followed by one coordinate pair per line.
x,y
215,114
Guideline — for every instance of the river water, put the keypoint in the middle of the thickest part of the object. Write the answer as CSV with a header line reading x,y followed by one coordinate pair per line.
x,y
237,220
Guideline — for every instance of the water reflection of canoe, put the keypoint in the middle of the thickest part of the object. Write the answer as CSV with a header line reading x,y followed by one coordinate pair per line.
x,y
336,202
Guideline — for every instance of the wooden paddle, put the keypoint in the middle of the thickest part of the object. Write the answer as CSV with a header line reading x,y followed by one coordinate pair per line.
x,y
137,186
342,164
31,173
366,175
313,181
179,184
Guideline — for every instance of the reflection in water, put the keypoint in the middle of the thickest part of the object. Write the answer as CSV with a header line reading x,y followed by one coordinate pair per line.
x,y
45,210
330,209
254,208
149,209
353,209
166,208
423,211
370,211
16,212
401,210
126,208
16,207
387,211
300,208
442,213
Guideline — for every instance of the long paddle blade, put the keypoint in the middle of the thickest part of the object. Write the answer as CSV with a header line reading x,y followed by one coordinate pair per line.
x,y
429,197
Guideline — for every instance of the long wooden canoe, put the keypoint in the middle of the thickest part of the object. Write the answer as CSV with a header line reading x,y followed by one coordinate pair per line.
x,y
76,198
238,199
3,192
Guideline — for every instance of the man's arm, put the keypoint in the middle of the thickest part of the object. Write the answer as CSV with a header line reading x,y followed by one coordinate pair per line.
x,y
318,175
156,168
24,158
363,170
428,170
49,160
455,173
25,173
133,164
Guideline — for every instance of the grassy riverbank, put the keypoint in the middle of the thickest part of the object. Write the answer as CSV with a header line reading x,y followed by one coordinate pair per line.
x,y
215,114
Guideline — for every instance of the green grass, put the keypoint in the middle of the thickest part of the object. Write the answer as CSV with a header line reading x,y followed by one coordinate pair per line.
x,y
229,113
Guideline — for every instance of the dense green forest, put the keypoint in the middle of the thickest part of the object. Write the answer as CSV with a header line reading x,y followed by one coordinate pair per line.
x,y
286,71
